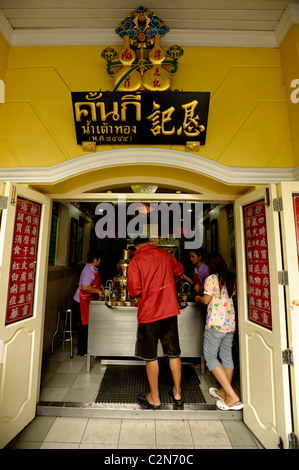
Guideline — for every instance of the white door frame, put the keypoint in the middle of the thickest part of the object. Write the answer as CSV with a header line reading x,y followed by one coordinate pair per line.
x,y
20,369
291,266
264,378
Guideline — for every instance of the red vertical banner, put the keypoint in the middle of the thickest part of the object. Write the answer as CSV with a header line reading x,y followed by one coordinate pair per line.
x,y
23,261
258,277
296,217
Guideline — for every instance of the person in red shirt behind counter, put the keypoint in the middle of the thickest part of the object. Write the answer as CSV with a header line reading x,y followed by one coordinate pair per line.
x,y
151,277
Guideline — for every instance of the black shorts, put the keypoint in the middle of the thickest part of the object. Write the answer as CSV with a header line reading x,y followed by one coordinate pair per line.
x,y
148,335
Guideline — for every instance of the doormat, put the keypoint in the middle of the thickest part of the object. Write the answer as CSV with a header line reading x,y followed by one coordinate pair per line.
x,y
123,383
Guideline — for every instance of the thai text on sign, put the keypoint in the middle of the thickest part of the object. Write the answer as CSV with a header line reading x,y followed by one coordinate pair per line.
x,y
258,276
140,118
23,261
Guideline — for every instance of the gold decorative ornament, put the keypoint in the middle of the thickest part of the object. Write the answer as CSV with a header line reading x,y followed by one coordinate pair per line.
x,y
192,146
142,62
89,146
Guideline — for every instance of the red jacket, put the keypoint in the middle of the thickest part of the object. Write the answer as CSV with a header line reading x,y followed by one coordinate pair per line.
x,y
151,273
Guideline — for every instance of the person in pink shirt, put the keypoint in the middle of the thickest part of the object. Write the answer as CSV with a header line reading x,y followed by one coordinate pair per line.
x,y
151,278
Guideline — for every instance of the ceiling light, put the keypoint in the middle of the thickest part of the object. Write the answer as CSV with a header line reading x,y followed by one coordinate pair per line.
x,y
139,188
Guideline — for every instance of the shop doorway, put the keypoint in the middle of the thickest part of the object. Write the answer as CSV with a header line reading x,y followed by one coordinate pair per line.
x,y
268,415
280,427
218,234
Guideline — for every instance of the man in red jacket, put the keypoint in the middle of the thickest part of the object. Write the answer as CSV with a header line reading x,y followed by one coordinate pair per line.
x,y
151,277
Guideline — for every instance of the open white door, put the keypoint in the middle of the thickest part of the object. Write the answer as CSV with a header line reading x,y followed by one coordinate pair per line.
x,y
23,256
289,213
261,318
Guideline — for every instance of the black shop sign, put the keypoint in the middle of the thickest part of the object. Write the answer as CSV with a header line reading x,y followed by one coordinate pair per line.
x,y
117,118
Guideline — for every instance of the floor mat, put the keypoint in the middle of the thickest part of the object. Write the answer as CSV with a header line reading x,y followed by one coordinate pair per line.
x,y
123,383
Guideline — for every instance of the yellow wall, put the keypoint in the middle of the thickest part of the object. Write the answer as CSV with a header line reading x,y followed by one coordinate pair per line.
x,y
290,65
248,119
4,49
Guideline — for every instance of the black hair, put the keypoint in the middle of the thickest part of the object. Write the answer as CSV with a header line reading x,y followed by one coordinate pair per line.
x,y
217,265
138,240
94,253
198,251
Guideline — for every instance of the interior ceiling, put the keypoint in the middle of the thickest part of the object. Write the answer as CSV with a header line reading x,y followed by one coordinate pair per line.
x,y
143,188
24,19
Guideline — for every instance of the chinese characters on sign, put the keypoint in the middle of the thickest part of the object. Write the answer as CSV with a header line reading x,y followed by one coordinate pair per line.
x,y
258,276
142,118
22,269
296,216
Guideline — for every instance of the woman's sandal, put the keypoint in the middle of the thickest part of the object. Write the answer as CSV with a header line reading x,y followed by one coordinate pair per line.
x,y
234,407
212,392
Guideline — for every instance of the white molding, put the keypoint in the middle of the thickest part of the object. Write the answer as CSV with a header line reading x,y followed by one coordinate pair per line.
x,y
190,37
289,17
220,38
5,28
147,155
296,173
103,37
66,37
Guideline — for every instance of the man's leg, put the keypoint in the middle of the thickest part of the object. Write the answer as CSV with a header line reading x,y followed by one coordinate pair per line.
x,y
146,349
152,372
171,347
176,371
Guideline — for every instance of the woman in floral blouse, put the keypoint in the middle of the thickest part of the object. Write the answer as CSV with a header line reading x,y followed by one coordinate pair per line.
x,y
219,330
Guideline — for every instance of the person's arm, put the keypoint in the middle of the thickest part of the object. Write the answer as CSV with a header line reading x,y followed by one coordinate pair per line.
x,y
186,278
134,280
91,290
208,289
177,267
203,299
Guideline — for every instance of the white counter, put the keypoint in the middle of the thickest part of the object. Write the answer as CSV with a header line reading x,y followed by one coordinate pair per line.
x,y
112,331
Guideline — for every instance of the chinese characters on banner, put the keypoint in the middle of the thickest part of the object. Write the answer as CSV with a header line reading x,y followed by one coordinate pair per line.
x,y
23,257
258,276
296,216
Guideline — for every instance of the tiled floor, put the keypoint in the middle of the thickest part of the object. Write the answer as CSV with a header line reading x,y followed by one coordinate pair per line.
x,y
66,379
99,433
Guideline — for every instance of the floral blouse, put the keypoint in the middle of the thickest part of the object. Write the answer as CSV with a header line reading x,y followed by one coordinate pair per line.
x,y
220,311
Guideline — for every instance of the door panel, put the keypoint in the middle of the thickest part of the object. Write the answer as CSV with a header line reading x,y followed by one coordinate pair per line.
x,y
262,329
289,192
21,338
